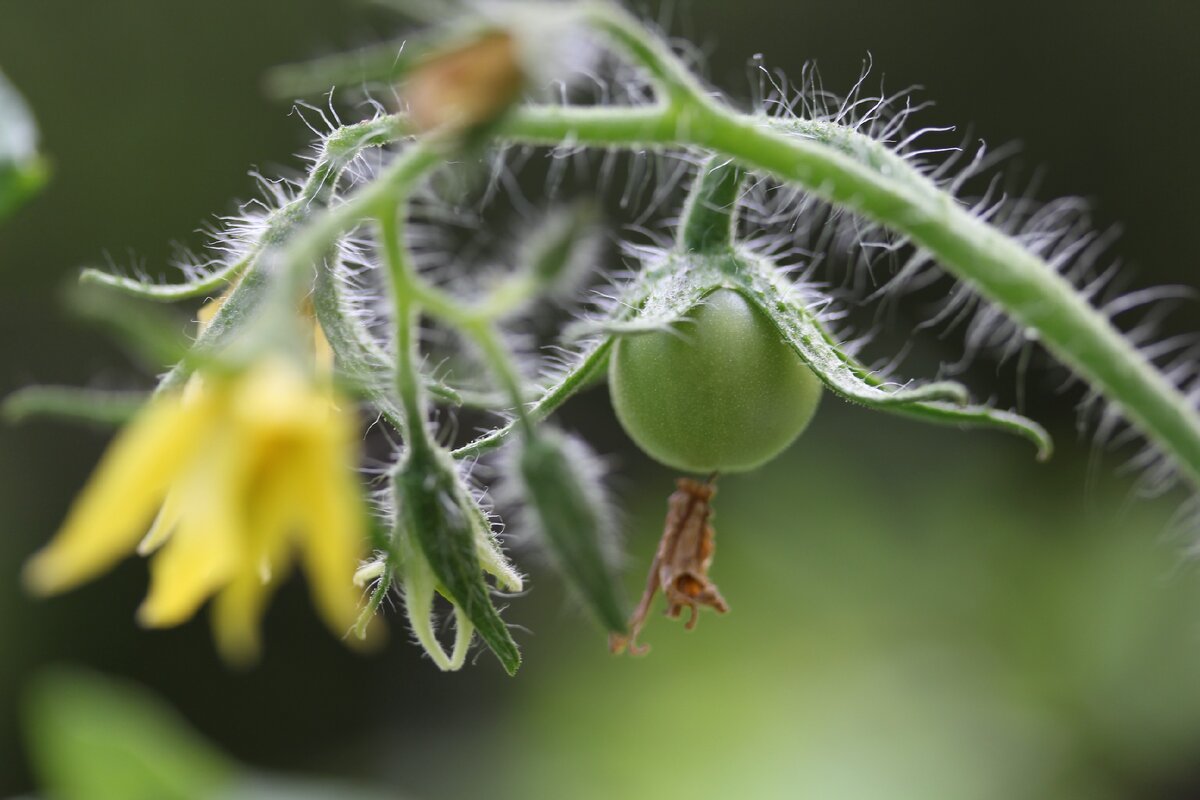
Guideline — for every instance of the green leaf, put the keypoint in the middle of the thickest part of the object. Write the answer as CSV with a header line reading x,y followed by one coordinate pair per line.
x,y
22,171
91,738
362,364
561,481
273,787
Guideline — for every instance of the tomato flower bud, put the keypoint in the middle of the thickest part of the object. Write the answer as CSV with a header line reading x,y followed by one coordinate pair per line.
x,y
466,87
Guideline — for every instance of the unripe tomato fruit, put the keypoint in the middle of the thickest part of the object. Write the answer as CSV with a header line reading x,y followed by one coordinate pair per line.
x,y
721,392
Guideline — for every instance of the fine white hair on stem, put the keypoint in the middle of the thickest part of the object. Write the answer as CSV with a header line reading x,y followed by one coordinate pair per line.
x,y
867,266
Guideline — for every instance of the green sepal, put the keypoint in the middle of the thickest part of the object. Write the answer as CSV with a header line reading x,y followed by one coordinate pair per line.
x,y
338,150
382,586
203,286
242,306
359,360
437,516
760,282
709,220
942,401
668,290
364,368
102,407
256,315
155,334
551,261
662,296
562,486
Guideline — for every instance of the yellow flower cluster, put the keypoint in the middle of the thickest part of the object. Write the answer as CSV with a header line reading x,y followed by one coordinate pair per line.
x,y
247,472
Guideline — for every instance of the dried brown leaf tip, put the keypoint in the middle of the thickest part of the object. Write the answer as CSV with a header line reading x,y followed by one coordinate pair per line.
x,y
680,567
467,86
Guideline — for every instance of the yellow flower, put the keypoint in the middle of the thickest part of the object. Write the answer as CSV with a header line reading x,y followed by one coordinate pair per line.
x,y
247,472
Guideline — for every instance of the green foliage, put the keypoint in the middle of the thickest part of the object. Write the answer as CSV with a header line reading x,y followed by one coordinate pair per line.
x,y
93,739
717,353
22,170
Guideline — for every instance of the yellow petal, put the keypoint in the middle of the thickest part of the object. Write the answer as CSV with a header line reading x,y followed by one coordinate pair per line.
x,y
334,535
206,550
110,514
237,614
276,399
165,522
238,608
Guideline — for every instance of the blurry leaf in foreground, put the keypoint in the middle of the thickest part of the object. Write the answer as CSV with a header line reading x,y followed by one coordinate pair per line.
x,y
95,739
272,787
22,170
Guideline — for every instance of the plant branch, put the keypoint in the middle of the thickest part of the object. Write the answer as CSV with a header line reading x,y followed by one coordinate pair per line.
x,y
834,166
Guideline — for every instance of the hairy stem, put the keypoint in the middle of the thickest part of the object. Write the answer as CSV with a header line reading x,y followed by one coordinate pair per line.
x,y
899,198
709,219
503,366
408,375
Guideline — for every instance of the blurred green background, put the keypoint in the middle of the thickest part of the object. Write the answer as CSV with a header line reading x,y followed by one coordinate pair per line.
x,y
917,612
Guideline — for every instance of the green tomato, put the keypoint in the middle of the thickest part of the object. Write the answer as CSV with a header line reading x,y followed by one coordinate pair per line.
x,y
721,392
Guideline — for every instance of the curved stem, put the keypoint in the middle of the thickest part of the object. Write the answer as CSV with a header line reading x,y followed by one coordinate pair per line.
x,y
590,365
502,364
672,78
407,318
997,266
478,323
